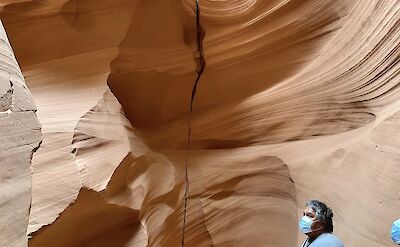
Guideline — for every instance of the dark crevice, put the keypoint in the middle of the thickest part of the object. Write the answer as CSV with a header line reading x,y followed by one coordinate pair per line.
x,y
200,62
7,100
12,95
75,14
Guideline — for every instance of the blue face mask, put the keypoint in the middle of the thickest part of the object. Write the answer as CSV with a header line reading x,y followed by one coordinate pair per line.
x,y
305,224
396,231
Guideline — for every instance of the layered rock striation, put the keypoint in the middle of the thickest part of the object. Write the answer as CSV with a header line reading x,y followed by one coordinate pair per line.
x,y
199,123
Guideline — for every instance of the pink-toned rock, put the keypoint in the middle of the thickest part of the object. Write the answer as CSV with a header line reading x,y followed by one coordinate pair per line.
x,y
202,123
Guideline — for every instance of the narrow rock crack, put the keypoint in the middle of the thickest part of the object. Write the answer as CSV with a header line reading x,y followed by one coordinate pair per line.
x,y
200,62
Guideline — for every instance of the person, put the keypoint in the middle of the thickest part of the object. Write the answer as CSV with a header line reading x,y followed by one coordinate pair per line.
x,y
317,224
395,234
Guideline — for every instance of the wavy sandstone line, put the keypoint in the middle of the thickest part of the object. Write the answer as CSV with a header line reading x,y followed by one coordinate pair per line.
x,y
299,99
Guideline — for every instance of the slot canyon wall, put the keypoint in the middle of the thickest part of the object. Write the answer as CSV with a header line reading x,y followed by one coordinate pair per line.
x,y
197,123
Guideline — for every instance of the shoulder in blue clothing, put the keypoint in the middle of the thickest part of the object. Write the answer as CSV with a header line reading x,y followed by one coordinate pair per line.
x,y
327,240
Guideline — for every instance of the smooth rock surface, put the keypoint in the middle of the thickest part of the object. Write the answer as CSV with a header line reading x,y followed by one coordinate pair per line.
x,y
204,123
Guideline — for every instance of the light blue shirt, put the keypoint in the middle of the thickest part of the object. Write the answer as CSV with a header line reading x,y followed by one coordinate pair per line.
x,y
323,240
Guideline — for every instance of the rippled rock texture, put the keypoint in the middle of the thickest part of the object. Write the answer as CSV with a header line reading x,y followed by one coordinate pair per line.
x,y
20,137
198,123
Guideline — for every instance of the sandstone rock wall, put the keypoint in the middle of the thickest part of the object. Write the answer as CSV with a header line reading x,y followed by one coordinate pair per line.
x,y
20,137
208,123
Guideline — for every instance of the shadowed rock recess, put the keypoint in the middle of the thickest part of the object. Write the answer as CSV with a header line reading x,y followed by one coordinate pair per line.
x,y
184,123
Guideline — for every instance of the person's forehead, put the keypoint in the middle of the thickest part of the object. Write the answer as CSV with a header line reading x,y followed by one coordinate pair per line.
x,y
309,209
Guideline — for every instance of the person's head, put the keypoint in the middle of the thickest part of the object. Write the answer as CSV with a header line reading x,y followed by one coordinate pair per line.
x,y
317,219
395,234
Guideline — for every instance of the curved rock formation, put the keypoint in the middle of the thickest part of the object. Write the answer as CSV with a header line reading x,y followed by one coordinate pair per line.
x,y
20,137
205,123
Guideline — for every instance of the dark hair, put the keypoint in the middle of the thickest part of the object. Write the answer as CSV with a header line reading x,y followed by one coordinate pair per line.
x,y
323,213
